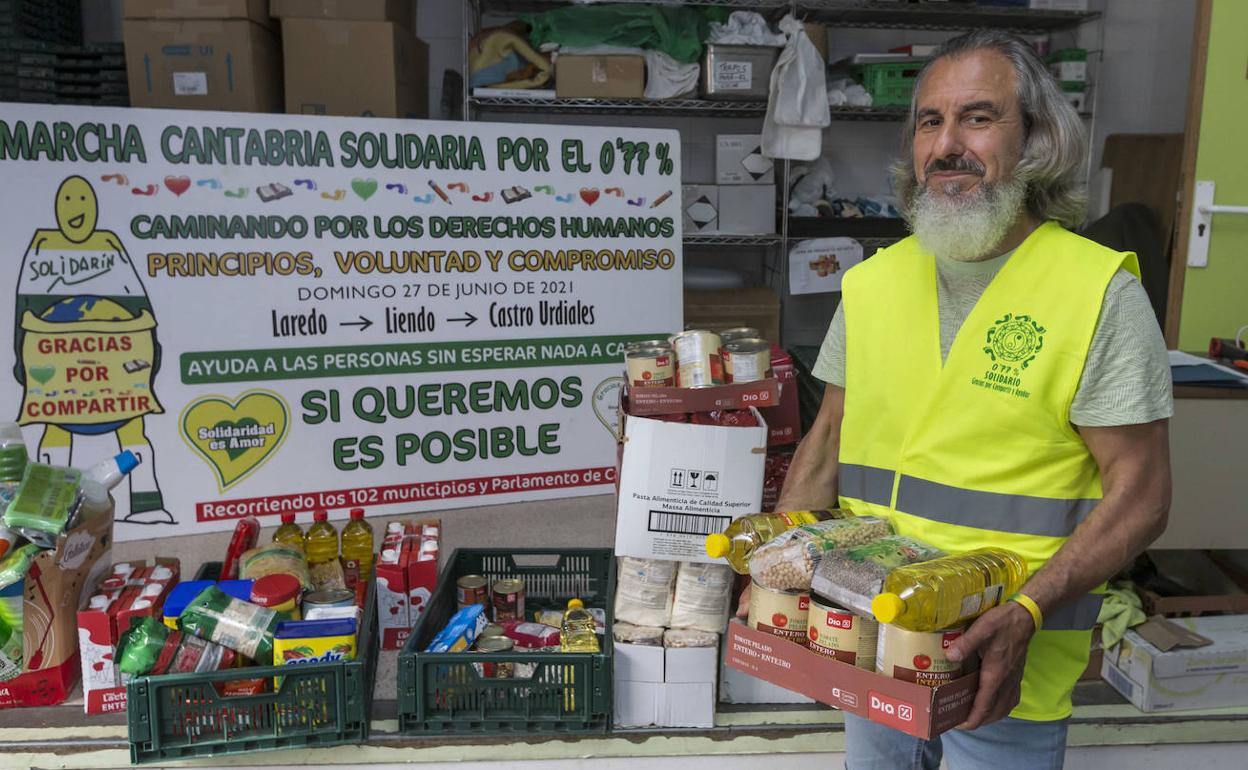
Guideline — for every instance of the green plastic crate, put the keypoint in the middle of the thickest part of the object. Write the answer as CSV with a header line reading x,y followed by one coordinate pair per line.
x,y
443,693
890,83
181,716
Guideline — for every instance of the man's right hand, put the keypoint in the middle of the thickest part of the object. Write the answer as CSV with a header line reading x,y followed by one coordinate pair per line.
x,y
743,606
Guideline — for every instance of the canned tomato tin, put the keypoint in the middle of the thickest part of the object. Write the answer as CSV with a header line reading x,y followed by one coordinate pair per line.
x,y
747,360
839,634
651,368
698,364
739,333
914,656
472,589
782,613
333,597
491,669
660,342
508,599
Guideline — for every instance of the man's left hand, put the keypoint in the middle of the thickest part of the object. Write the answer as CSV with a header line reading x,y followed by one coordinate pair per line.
x,y
1000,636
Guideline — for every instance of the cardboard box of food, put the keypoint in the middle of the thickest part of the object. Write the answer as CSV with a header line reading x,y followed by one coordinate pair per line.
x,y
615,76
747,209
256,10
699,204
51,593
1183,677
718,309
99,631
739,159
203,64
646,402
397,11
914,709
373,68
738,687
680,482
784,420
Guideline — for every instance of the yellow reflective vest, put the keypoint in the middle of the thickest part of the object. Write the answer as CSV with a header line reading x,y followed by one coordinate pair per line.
x,y
980,451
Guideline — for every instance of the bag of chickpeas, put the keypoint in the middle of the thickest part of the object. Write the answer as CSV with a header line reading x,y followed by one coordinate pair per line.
x,y
788,562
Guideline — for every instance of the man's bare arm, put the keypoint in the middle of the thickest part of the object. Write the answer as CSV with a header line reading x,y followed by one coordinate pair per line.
x,y
811,482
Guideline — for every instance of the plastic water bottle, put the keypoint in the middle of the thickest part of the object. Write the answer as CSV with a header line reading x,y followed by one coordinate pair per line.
x,y
289,532
744,535
357,549
321,541
941,593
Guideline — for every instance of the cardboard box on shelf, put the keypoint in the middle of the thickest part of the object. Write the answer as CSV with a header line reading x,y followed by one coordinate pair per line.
x,y
680,482
397,11
256,10
638,704
374,68
203,64
784,421
99,631
747,209
739,159
1183,676
50,595
718,309
638,662
914,709
691,665
700,206
613,76
688,704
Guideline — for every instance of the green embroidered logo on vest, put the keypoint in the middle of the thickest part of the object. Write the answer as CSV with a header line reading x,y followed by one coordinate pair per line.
x,y
1011,343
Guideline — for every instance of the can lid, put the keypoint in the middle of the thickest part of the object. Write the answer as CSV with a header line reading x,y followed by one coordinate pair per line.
x,y
495,644
288,517
887,607
718,545
272,590
321,515
357,513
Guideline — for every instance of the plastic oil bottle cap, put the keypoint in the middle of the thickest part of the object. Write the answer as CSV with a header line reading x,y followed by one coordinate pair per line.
x,y
321,515
357,513
575,604
887,607
288,517
718,545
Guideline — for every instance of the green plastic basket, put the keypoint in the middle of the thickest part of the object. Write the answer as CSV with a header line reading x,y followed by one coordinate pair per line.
x,y
444,693
180,716
890,83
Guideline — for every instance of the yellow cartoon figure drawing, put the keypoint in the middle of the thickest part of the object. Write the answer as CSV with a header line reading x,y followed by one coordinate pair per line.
x,y
86,344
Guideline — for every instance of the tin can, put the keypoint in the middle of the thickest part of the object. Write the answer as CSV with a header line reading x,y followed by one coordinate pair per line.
x,y
837,633
495,669
698,364
491,629
472,589
915,656
333,597
782,613
659,342
651,368
739,333
747,360
508,599
279,592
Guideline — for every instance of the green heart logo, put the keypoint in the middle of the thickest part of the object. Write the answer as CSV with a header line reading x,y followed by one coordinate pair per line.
x,y
364,187
235,438
42,373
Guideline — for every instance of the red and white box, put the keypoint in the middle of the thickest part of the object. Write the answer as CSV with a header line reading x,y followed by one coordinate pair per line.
x,y
407,574
100,628
784,421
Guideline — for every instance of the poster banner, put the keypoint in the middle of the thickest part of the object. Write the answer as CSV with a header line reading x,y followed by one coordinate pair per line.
x,y
285,313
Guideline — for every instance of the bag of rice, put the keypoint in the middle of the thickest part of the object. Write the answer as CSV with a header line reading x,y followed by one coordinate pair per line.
x,y
703,595
643,591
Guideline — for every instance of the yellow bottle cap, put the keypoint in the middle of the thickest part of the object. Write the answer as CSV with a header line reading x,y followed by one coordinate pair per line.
x,y
718,545
575,604
887,607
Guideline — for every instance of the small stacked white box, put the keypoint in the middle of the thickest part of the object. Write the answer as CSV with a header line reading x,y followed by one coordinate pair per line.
x,y
747,185
665,687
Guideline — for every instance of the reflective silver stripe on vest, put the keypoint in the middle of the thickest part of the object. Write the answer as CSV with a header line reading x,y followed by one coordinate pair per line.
x,y
1079,615
873,485
1019,514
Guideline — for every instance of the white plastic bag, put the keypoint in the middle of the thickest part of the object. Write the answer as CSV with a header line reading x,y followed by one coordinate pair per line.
x,y
703,595
643,591
797,110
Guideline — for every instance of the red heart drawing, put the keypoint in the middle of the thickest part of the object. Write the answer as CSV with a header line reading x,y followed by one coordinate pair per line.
x,y
178,184
589,195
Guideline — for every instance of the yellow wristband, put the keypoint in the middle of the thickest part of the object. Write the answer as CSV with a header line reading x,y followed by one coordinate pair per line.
x,y
1030,605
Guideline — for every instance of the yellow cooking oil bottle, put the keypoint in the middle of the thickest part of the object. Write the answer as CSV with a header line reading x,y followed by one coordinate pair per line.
x,y
944,592
289,532
744,535
320,543
576,632
357,548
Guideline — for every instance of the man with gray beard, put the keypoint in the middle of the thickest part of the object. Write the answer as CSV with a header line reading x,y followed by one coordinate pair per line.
x,y
996,380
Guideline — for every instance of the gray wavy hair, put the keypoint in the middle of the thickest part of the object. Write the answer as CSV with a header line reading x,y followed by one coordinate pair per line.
x,y
1055,141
